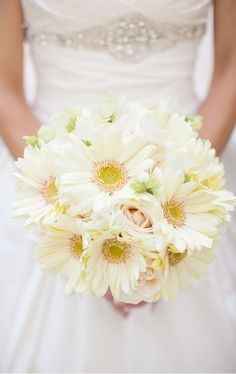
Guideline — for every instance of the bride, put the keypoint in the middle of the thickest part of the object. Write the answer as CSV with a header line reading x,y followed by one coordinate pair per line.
x,y
82,50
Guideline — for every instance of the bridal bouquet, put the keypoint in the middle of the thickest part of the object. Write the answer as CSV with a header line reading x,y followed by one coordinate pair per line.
x,y
125,199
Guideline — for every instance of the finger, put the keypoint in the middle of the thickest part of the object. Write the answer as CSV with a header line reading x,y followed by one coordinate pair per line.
x,y
122,309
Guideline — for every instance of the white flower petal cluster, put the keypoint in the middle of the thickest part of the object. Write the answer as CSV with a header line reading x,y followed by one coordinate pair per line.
x,y
127,199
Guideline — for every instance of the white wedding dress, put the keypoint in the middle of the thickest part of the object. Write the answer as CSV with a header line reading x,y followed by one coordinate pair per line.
x,y
83,49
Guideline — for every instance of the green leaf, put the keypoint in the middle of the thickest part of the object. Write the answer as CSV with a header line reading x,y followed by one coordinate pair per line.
x,y
150,186
32,140
138,187
87,142
46,134
110,118
71,125
194,121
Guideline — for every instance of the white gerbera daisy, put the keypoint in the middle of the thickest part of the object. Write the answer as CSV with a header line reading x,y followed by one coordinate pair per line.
x,y
99,170
37,186
70,123
166,129
225,204
199,161
188,214
66,121
115,262
62,249
169,132
116,111
182,268
201,166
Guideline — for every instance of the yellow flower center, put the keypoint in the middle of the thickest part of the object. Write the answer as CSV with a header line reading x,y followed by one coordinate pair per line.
x,y
110,175
49,190
175,257
116,251
157,263
174,212
76,245
60,208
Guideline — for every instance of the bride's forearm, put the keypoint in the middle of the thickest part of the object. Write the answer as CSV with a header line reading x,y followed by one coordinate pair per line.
x,y
219,111
219,108
16,121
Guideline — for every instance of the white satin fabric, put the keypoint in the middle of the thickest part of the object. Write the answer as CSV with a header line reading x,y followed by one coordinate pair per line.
x,y
42,329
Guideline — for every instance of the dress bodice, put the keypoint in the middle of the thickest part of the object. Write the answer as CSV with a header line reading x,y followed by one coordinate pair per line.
x,y
142,48
127,30
49,15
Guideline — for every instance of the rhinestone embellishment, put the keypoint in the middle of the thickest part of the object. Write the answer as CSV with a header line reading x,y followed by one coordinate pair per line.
x,y
127,38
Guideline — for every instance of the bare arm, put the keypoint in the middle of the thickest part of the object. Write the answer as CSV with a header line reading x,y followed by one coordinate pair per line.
x,y
16,119
219,108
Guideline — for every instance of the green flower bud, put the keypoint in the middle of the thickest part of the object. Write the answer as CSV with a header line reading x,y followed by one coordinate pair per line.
x,y
138,187
150,186
71,125
87,142
194,121
32,140
46,133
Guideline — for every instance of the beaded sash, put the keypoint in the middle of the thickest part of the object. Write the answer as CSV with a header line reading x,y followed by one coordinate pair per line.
x,y
129,38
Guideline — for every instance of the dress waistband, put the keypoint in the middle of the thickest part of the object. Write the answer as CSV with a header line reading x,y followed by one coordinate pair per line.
x,y
129,38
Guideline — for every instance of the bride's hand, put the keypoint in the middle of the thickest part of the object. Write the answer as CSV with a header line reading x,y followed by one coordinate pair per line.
x,y
16,121
217,142
123,309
